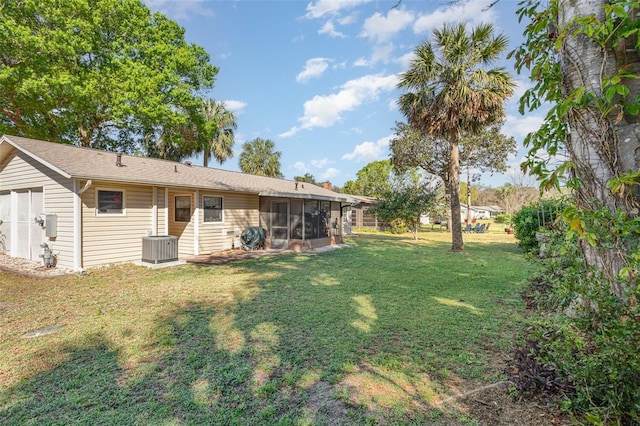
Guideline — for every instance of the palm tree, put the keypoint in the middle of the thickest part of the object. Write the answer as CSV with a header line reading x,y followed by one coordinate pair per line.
x,y
221,124
449,93
259,158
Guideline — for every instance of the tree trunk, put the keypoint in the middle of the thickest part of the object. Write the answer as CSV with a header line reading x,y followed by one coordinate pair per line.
x,y
601,147
85,136
457,244
468,195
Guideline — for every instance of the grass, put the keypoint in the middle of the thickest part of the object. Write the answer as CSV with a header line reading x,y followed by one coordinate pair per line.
x,y
379,333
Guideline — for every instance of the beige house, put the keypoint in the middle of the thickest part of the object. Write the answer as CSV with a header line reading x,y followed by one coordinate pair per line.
x,y
92,207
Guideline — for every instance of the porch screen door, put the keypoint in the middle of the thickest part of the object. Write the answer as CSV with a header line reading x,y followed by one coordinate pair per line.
x,y
279,224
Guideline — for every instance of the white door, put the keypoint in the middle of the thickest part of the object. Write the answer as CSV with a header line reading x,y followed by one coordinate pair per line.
x,y
28,233
36,233
5,222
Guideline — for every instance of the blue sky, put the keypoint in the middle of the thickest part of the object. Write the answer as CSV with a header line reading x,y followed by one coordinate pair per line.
x,y
319,78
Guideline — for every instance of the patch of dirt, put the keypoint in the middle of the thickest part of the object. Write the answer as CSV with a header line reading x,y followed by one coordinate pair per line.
x,y
494,406
324,407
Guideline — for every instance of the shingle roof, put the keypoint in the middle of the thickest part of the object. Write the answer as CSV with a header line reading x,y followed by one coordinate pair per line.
x,y
363,200
86,163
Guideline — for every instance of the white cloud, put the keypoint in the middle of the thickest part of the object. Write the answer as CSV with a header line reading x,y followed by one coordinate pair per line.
x,y
314,67
361,62
183,9
237,107
367,152
331,7
300,167
406,59
519,127
473,11
325,111
381,53
346,20
321,163
330,173
381,28
330,29
292,131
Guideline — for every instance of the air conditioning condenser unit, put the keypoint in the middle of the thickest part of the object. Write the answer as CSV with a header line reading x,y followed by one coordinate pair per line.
x,y
159,248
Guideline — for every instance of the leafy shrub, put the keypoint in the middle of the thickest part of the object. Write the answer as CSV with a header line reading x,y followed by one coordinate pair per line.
x,y
528,221
399,226
503,218
532,376
582,346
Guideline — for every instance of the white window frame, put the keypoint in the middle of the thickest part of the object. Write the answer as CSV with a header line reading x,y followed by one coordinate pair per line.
x,y
111,214
175,204
202,206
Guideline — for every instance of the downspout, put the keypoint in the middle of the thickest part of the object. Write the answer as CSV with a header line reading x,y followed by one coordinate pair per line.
x,y
77,223
196,225
85,187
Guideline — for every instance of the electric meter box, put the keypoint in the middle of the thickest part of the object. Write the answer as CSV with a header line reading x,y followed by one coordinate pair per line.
x,y
51,225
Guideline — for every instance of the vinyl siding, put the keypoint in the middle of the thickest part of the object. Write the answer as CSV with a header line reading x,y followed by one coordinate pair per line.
x,y
115,238
58,200
239,212
22,172
19,171
161,212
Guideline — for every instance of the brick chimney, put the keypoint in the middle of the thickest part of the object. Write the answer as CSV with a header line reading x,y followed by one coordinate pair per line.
x,y
327,185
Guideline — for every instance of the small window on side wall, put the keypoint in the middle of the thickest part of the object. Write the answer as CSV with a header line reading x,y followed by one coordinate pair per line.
x,y
183,208
110,202
212,208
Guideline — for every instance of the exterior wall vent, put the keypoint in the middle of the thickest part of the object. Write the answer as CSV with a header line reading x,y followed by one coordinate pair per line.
x,y
159,248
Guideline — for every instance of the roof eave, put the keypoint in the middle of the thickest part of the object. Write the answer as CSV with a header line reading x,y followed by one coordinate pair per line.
x,y
45,163
167,184
303,196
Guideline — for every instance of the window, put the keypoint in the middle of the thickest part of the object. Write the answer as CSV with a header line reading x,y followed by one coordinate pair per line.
x,y
212,208
183,208
110,202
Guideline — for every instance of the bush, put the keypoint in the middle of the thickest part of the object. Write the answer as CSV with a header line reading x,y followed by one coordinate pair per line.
x,y
503,218
528,221
399,226
582,346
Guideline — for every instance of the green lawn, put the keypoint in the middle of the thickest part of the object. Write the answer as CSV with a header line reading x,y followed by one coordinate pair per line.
x,y
383,332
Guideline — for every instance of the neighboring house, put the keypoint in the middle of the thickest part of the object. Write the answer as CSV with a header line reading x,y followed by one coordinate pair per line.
x,y
93,207
480,212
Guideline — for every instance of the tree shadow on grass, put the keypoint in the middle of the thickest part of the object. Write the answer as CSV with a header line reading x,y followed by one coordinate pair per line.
x,y
193,381
323,341
256,370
